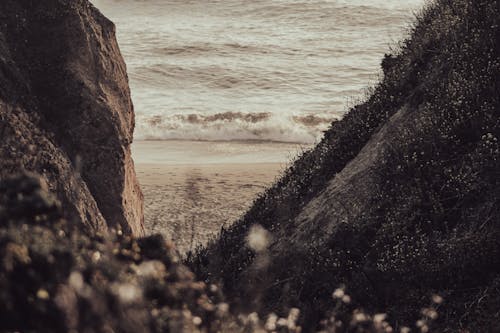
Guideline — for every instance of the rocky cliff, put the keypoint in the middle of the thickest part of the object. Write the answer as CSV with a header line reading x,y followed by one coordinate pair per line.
x,y
66,111
400,200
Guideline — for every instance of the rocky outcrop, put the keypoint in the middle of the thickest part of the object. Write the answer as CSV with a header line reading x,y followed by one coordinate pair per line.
x,y
400,200
66,111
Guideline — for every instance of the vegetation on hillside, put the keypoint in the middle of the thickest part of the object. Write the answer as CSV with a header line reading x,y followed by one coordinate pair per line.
x,y
56,278
433,226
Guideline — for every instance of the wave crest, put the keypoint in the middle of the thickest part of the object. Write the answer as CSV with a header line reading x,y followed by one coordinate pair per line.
x,y
234,126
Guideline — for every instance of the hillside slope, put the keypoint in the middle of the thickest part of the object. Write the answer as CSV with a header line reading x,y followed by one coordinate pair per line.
x,y
66,111
401,198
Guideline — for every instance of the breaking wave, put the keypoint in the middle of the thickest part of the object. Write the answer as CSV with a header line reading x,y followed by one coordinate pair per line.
x,y
233,126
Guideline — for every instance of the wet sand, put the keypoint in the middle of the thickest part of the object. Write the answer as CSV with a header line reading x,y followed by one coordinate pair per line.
x,y
192,189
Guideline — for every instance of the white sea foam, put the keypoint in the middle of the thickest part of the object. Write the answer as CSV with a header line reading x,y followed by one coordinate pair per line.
x,y
233,126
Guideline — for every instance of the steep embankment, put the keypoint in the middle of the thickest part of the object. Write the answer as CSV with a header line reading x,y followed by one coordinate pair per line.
x,y
65,109
401,199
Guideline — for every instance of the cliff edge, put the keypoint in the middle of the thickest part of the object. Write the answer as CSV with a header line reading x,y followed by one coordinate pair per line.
x,y
66,111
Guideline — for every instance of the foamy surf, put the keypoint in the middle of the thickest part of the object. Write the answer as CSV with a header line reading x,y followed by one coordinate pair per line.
x,y
234,126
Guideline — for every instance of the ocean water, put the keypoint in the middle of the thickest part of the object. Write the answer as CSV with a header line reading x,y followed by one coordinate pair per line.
x,y
232,70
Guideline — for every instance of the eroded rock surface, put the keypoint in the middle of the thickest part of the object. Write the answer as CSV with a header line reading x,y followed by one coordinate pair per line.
x,y
66,111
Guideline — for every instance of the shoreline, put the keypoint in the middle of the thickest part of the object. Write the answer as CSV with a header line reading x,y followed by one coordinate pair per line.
x,y
193,189
183,152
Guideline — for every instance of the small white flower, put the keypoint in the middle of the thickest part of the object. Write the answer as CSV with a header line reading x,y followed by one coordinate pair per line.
x,y
151,268
253,318
258,238
379,317
222,309
42,294
126,292
437,299
338,293
197,321
76,281
96,256
271,322
359,317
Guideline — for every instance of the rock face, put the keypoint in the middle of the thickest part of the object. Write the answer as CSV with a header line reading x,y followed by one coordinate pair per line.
x,y
66,111
400,200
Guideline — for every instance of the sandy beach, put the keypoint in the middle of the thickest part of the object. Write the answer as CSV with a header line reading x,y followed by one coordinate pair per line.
x,y
192,189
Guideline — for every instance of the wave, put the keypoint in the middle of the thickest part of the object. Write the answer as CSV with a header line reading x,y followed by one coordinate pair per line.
x,y
190,61
205,48
234,126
